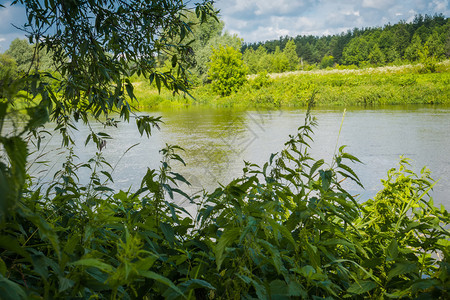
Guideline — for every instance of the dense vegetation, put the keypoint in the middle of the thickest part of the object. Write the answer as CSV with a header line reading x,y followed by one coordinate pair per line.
x,y
409,84
286,229
403,41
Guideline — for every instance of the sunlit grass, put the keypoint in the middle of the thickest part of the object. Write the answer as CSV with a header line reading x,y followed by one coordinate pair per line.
x,y
405,84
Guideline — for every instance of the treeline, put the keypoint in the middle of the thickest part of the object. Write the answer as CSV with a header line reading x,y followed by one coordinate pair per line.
x,y
425,37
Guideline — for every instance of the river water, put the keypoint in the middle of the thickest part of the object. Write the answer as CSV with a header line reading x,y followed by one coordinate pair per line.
x,y
217,141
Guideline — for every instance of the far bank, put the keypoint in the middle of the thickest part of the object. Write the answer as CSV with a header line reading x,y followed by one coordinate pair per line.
x,y
410,84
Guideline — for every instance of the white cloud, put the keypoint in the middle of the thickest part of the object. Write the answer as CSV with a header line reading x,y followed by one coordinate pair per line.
x,y
378,4
440,5
318,17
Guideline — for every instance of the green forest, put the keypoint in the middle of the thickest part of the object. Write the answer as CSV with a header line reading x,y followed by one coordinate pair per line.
x,y
285,229
425,35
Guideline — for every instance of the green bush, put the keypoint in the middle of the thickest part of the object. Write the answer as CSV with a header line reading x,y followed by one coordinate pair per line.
x,y
227,70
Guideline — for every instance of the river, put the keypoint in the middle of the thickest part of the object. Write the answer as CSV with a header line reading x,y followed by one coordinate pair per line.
x,y
217,141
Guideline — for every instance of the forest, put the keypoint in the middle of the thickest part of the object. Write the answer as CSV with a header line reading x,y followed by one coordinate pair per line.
x,y
285,229
359,47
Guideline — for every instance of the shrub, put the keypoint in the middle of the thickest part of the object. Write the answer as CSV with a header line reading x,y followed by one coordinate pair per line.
x,y
227,70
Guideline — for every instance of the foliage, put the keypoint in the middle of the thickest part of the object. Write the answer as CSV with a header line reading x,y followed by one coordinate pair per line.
x,y
286,229
327,62
409,84
413,51
203,55
29,57
290,51
227,71
8,71
22,52
97,45
377,45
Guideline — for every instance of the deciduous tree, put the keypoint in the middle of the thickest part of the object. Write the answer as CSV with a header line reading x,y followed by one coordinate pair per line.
x,y
227,70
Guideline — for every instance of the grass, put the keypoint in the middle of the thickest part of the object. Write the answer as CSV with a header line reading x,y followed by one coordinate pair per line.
x,y
372,86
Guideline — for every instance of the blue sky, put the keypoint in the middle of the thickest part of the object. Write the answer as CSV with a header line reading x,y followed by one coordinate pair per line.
x,y
260,20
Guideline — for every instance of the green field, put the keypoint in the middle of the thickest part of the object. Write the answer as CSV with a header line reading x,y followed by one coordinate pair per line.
x,y
373,86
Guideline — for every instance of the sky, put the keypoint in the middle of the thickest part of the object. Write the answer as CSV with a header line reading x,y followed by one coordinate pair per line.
x,y
261,20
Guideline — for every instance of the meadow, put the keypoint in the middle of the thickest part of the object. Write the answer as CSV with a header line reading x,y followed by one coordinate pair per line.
x,y
408,84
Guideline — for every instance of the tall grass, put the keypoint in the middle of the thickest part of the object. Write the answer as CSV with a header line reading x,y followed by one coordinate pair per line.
x,y
373,86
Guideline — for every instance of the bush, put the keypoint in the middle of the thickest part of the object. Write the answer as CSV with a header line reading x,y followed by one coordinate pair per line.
x,y
227,70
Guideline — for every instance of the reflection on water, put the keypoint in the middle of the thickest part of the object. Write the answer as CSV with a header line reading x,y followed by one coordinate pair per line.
x,y
217,141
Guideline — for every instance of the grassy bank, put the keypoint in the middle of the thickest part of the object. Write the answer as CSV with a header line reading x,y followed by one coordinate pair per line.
x,y
373,86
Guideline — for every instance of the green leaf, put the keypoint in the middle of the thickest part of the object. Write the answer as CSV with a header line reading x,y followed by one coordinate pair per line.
x,y
46,230
260,289
38,116
226,239
400,269
313,255
326,178
424,284
95,263
315,166
307,271
274,253
158,82
11,244
130,90
279,289
163,280
351,157
65,283
197,283
10,290
168,233
392,250
2,267
360,287
297,290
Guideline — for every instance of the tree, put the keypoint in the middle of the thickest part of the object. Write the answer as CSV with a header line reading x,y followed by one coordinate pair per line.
x,y
227,70
290,51
202,35
251,60
327,62
203,54
414,49
8,72
401,38
435,45
279,61
356,52
22,52
29,57
97,45
376,57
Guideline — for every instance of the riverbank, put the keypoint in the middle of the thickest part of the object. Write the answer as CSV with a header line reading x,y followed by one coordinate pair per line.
x,y
373,86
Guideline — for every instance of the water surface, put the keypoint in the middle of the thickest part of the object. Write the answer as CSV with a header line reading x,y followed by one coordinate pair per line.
x,y
217,141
